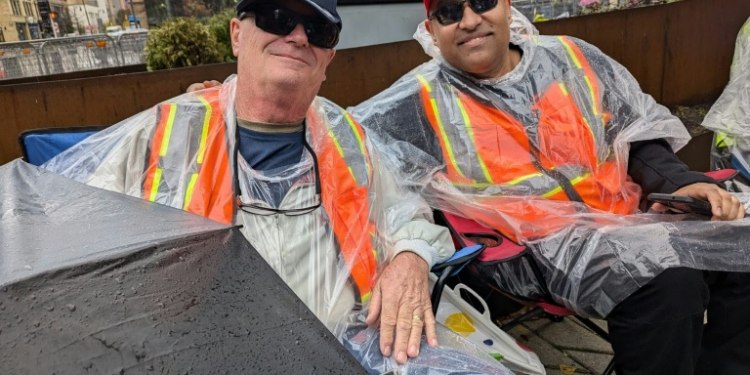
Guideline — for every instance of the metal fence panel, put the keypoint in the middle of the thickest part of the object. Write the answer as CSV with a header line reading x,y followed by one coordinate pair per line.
x,y
71,54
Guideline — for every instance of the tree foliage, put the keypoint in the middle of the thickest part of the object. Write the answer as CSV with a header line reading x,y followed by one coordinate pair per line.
x,y
219,26
181,42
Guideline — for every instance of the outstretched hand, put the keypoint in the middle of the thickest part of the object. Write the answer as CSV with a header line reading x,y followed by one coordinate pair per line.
x,y
401,299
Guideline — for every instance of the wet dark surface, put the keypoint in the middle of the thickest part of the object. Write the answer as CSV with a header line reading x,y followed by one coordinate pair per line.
x,y
194,298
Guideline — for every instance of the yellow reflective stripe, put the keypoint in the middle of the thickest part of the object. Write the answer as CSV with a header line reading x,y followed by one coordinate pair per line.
x,y
424,82
359,138
591,91
563,88
204,133
366,297
719,139
467,122
168,130
356,133
724,140
572,182
522,178
155,185
746,28
486,184
448,147
189,194
552,192
341,152
570,52
585,77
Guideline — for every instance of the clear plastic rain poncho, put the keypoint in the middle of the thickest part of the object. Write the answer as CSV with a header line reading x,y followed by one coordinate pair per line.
x,y
520,152
182,154
730,118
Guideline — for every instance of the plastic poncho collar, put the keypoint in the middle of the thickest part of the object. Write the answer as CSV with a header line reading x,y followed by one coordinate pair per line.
x,y
594,259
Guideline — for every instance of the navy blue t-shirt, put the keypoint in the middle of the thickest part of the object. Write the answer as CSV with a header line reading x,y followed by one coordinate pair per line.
x,y
267,151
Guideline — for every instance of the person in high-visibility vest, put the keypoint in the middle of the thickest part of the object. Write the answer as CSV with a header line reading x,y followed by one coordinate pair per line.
x,y
729,117
296,172
552,143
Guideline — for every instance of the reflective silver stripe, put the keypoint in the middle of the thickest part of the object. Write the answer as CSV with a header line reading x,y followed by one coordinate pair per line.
x,y
536,185
467,157
348,144
179,164
584,100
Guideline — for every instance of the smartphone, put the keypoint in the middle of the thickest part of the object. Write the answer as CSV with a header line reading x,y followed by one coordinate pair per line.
x,y
682,203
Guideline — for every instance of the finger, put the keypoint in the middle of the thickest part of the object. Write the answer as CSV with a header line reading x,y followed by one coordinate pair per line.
x,y
728,208
658,207
388,321
403,330
374,313
715,199
195,87
429,327
415,336
736,208
210,84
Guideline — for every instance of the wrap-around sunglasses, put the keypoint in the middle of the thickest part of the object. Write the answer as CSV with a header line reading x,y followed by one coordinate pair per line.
x,y
452,12
275,19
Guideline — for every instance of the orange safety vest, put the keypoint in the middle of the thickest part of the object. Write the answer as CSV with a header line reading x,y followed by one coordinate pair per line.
x,y
188,167
484,147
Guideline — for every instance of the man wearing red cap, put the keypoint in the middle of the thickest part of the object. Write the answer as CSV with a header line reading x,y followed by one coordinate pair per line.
x,y
553,144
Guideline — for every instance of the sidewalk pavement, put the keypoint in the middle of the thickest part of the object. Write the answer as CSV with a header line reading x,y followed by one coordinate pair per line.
x,y
567,347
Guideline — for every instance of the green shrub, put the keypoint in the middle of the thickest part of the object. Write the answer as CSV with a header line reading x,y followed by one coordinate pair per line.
x,y
181,42
219,26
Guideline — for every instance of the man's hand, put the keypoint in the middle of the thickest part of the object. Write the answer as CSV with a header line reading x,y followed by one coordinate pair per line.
x,y
724,206
202,86
402,301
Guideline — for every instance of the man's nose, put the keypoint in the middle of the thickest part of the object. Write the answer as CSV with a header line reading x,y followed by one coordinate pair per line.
x,y
470,19
298,35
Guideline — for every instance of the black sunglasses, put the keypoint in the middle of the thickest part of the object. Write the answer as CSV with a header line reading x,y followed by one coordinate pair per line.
x,y
278,20
256,209
453,12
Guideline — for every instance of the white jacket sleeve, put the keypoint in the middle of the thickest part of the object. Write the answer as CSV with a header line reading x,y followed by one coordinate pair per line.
x,y
408,223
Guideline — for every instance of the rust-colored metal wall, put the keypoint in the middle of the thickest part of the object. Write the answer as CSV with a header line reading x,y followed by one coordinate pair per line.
x,y
680,53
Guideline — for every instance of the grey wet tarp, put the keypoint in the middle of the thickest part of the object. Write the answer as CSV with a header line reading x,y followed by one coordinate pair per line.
x,y
102,283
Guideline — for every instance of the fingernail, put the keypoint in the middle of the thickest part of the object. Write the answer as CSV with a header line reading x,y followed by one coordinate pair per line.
x,y
387,351
401,357
433,343
414,349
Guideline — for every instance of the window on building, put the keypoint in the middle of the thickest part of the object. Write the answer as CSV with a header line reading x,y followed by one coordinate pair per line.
x,y
27,8
21,30
16,7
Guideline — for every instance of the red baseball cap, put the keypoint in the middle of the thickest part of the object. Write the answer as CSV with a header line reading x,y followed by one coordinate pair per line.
x,y
427,4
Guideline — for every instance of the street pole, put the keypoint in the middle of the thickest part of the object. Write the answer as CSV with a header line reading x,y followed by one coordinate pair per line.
x,y
132,13
87,16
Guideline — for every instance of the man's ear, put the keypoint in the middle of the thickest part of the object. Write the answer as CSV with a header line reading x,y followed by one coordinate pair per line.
x,y
234,33
510,12
331,55
428,26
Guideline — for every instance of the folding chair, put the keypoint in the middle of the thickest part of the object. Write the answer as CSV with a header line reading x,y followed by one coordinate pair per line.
x,y
498,249
40,145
